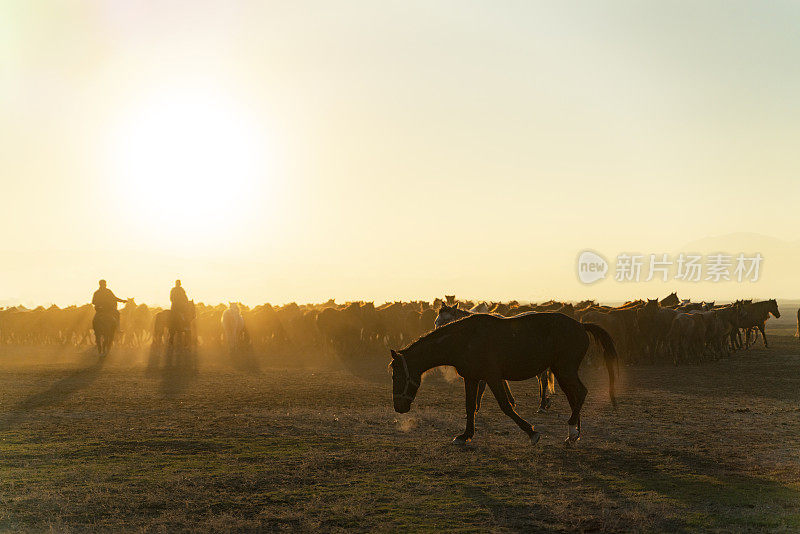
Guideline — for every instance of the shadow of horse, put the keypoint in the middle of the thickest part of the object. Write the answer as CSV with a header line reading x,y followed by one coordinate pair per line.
x,y
176,368
246,361
56,394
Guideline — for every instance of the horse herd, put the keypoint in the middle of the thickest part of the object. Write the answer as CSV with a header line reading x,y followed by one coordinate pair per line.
x,y
643,330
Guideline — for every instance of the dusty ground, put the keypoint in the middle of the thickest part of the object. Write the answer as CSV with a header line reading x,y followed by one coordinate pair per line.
x,y
245,444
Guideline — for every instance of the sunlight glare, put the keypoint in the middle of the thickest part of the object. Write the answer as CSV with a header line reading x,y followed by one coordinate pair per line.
x,y
189,164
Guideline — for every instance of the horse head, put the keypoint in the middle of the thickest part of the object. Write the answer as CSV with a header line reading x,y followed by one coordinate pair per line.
x,y
773,308
405,383
671,299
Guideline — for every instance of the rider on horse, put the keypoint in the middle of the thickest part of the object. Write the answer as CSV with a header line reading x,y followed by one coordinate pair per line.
x,y
179,302
105,300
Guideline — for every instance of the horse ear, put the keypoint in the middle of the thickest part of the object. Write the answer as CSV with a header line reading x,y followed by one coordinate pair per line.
x,y
394,354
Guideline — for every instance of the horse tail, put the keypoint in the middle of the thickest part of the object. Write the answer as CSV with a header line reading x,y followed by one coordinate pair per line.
x,y
797,332
609,354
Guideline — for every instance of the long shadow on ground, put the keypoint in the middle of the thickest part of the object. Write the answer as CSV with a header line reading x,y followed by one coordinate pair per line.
x,y
712,495
177,369
54,395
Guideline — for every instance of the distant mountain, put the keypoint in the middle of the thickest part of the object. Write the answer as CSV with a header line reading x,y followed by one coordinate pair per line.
x,y
780,272
747,242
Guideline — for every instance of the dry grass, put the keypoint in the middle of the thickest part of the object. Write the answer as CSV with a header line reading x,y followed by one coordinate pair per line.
x,y
244,445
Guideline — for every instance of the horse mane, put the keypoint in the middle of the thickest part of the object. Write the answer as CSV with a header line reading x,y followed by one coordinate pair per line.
x,y
442,332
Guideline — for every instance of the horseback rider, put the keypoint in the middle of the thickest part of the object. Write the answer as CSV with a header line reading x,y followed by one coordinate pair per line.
x,y
179,302
104,300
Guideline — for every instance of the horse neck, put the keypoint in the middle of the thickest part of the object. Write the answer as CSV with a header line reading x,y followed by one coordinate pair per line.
x,y
432,353
426,360
760,309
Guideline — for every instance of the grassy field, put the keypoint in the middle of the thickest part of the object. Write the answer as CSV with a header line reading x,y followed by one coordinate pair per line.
x,y
248,444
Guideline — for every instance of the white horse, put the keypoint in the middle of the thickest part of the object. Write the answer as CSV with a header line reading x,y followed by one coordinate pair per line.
x,y
232,326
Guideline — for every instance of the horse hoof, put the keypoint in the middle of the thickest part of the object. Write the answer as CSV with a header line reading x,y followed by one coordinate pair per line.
x,y
535,436
570,442
461,441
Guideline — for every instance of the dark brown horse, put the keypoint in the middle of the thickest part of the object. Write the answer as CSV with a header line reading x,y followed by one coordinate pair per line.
x,y
670,301
448,314
756,315
105,327
494,349
175,329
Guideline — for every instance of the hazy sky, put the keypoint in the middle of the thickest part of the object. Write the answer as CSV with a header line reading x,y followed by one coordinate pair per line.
x,y
379,150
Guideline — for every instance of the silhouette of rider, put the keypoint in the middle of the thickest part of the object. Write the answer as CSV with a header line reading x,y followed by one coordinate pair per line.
x,y
178,299
104,300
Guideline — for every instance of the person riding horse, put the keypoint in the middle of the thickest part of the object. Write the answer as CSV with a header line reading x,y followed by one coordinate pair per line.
x,y
178,299
105,301
106,318
179,303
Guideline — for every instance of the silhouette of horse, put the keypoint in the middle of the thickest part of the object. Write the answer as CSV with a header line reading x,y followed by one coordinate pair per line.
x,y
494,349
756,315
175,327
448,314
104,325
670,300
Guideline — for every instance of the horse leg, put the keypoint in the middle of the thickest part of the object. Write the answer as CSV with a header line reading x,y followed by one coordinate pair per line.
x,y
576,393
544,402
479,397
508,394
763,334
500,394
170,348
470,403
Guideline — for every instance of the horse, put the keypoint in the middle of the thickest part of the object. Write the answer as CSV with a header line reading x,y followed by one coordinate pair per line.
x,y
757,314
670,301
483,307
494,349
170,325
232,326
448,314
797,332
105,327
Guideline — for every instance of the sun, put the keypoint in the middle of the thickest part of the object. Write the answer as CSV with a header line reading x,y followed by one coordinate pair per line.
x,y
189,165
